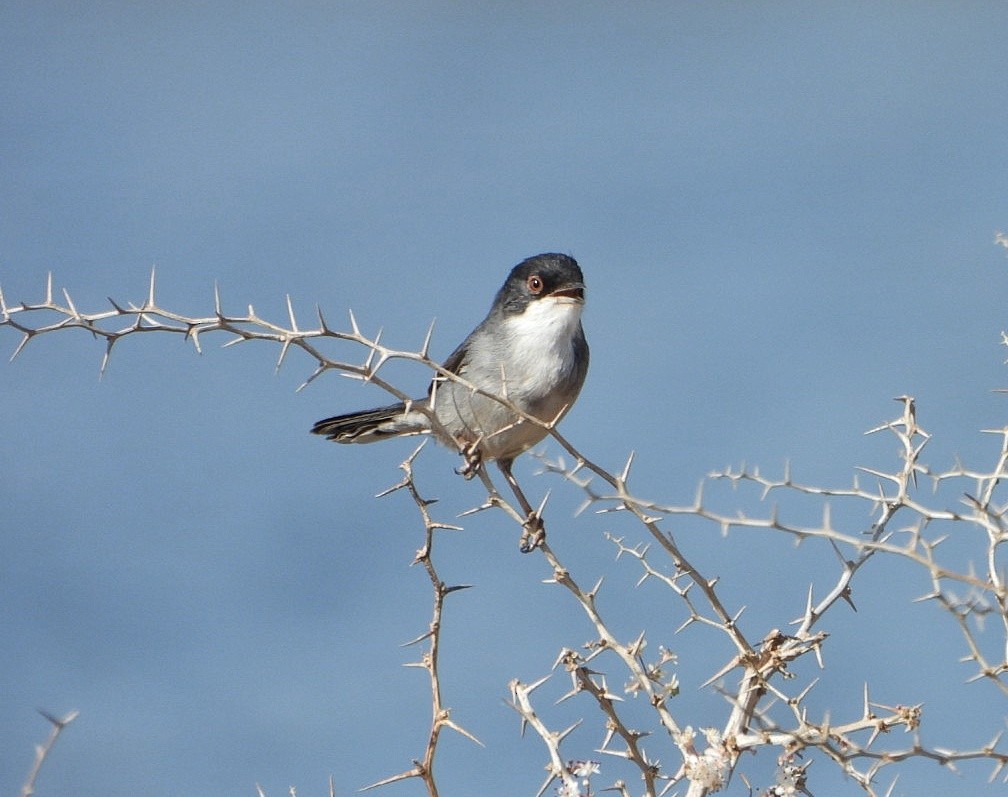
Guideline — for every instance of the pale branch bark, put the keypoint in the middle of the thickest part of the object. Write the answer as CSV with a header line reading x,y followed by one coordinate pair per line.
x,y
42,751
777,649
423,768
558,769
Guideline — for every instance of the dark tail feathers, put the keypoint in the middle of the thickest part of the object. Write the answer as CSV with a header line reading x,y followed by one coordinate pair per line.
x,y
369,426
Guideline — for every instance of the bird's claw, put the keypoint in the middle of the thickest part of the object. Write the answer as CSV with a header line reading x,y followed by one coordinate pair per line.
x,y
533,533
473,460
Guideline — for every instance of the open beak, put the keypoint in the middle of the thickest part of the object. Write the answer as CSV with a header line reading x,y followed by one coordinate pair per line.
x,y
574,292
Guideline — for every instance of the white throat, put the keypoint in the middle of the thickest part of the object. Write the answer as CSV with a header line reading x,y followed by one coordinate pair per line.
x,y
541,339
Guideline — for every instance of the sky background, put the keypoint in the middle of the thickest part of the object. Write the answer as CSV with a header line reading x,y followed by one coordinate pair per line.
x,y
785,214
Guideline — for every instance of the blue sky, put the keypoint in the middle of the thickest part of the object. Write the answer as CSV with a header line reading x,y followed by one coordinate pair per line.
x,y
785,214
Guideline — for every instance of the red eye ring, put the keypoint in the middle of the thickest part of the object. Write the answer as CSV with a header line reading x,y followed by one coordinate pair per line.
x,y
534,284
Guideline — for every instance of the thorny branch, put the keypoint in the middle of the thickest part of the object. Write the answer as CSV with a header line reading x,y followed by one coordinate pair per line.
x,y
42,750
753,721
987,595
441,714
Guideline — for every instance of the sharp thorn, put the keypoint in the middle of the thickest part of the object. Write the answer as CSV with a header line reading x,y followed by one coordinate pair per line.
x,y
150,292
425,349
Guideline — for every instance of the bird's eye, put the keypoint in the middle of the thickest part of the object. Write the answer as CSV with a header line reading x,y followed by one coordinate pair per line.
x,y
535,284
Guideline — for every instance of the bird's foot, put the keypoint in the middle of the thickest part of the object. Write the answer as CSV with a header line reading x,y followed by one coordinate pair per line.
x,y
472,460
533,533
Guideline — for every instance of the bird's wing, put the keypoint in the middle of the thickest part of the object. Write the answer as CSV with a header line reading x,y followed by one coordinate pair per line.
x,y
455,364
456,359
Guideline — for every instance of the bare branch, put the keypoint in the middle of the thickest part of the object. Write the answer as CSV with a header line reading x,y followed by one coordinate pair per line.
x,y
42,750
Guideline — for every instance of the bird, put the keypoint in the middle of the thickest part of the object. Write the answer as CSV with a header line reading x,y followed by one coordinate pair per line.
x,y
530,350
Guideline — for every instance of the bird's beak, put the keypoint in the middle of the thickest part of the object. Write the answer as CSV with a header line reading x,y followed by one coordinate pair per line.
x,y
573,291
